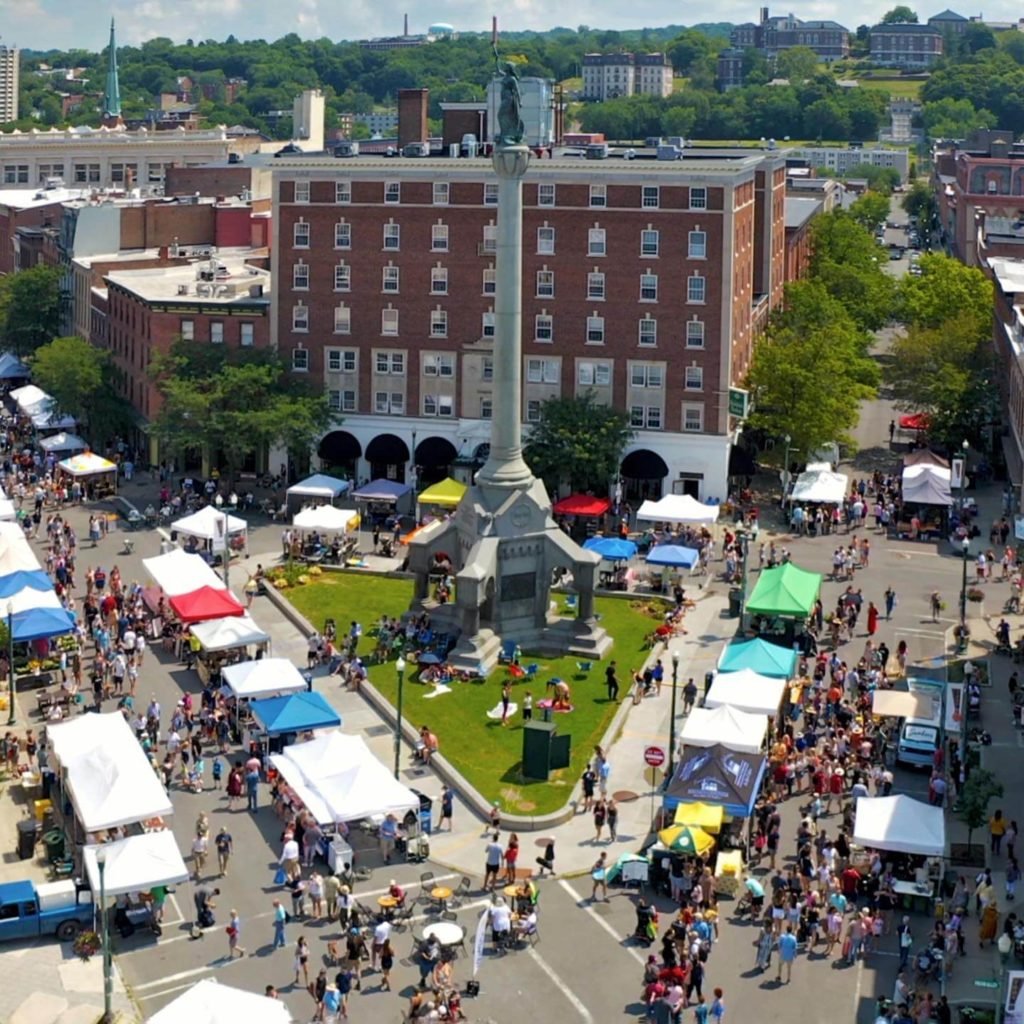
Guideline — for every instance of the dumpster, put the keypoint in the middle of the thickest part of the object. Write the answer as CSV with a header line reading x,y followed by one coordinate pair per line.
x,y
28,835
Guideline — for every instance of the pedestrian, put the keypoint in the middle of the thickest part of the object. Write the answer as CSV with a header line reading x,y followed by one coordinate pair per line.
x,y
320,993
492,862
890,602
302,960
717,1011
506,700
387,962
280,919
388,836
200,846
1010,839
225,847
218,772
355,953
612,819
252,783
905,940
1012,876
892,430
872,618
612,682
511,855
604,771
689,696
235,785
996,831
936,603
381,934
234,930
764,943
447,803
787,954
599,874
589,782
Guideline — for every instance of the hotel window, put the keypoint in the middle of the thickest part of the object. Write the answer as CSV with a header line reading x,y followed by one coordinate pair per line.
x,y
300,277
543,371
648,287
487,369
439,238
334,401
697,249
392,192
487,325
596,242
90,173
438,405
651,197
300,360
594,374
694,380
343,192
693,418
438,325
439,365
188,330
595,330
533,411
389,322
698,198
694,333
696,288
598,195
342,235
546,241
648,416
486,407
648,331
216,332
647,375
440,193
491,194
302,191
341,360
389,402
545,195
342,321
490,242
438,280
348,401
122,173
545,284
543,327
490,282
300,318
392,363
392,236
389,279
649,242
342,277
300,235
246,335
595,286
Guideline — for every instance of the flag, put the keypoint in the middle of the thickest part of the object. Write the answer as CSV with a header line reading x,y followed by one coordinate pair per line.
x,y
480,941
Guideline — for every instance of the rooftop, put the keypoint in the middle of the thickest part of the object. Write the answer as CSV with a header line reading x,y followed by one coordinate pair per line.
x,y
947,15
799,210
901,28
109,136
223,280
27,198
1009,273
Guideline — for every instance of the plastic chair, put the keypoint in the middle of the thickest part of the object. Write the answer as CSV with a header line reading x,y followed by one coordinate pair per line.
x,y
532,670
583,667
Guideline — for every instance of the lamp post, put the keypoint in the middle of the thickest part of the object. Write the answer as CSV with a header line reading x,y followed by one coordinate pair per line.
x,y
108,981
785,470
10,662
400,669
966,547
672,718
227,549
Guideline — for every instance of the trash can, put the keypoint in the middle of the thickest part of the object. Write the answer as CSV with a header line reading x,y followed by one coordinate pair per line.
x,y
28,835
735,602
54,842
426,812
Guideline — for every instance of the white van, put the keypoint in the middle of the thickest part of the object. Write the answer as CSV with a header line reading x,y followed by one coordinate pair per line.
x,y
919,740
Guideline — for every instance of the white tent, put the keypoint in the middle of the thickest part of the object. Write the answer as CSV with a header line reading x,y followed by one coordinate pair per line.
x,y
136,864
748,691
224,634
15,553
179,572
327,518
84,733
30,398
262,678
820,485
901,824
87,464
925,484
208,524
332,752
319,485
209,1002
735,730
902,704
7,510
63,442
678,508
311,799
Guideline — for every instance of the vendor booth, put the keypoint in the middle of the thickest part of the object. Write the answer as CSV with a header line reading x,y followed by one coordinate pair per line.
x,y
209,525
263,678
326,518
903,704
383,492
586,505
8,513
716,775
204,604
294,713
208,1002
12,368
760,656
179,572
16,553
901,824
63,444
230,634
924,484
724,726
786,590
748,691
99,474
136,864
678,508
446,493
318,488
707,816
818,485
673,556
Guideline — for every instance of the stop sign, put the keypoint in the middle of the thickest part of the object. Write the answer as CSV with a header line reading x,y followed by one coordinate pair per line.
x,y
654,756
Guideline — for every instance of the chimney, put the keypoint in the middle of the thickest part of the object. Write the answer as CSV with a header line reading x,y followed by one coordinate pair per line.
x,y
764,15
405,27
412,115
494,30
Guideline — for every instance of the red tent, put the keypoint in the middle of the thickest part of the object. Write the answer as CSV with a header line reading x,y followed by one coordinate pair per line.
x,y
205,603
915,421
581,505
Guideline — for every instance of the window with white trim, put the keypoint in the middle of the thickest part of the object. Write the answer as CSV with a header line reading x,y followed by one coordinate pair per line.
x,y
646,375
438,325
648,287
545,195
343,192
300,277
440,193
543,327
438,280
647,331
334,400
342,277
594,374
389,279
302,191
487,325
439,364
696,288
693,418
694,378
545,284
650,197
491,194
438,405
439,238
486,407
246,335
595,286
392,236
698,198
595,330
300,360
389,402
598,195
649,242
545,241
490,281
533,410
342,235
645,416
342,360
543,371
300,318
389,322
392,363
490,242
392,192
597,242
216,332
697,245
694,333
188,330
487,368
300,234
342,320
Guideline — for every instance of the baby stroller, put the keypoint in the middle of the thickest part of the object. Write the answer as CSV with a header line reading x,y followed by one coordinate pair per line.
x,y
646,930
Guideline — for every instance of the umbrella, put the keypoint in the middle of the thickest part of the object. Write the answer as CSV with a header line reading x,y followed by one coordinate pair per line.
x,y
673,554
686,839
612,548
701,815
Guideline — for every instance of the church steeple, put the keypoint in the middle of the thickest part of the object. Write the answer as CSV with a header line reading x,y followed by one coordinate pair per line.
x,y
112,93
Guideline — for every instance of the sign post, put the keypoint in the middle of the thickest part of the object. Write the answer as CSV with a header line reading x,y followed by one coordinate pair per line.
x,y
739,403
654,758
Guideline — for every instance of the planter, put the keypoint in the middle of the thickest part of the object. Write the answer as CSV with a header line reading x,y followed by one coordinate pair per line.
x,y
962,855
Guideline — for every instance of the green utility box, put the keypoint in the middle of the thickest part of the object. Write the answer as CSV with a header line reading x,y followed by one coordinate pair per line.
x,y
544,750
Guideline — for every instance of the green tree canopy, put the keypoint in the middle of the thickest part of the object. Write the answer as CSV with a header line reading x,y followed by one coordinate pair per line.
x,y
579,441
29,308
870,210
900,15
919,202
797,63
946,290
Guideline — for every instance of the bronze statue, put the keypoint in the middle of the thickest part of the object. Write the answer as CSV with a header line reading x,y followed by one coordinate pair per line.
x,y
510,118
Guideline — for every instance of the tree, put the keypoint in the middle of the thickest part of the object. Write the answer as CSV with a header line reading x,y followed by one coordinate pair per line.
x,y
919,202
870,210
972,803
580,441
797,63
900,15
947,290
29,308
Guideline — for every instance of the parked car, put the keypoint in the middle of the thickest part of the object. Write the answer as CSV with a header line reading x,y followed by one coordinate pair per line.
x,y
28,910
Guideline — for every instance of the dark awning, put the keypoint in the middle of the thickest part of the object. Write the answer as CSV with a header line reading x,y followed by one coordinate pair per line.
x,y
644,465
435,451
741,462
339,446
387,449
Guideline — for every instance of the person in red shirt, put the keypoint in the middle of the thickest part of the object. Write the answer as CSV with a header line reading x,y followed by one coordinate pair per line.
x,y
849,882
835,789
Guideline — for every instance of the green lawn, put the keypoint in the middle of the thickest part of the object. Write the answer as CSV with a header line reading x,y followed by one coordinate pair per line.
x,y
893,86
487,754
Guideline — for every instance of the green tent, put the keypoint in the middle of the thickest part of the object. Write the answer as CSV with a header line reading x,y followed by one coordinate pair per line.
x,y
785,590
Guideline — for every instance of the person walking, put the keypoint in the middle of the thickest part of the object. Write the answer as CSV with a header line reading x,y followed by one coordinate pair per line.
x,y
252,785
905,940
996,831
200,846
387,962
890,602
589,781
599,874
787,954
1012,876
447,806
492,862
302,960
612,818
599,819
764,943
936,603
506,700
234,930
225,847
611,680
872,618
235,786
280,920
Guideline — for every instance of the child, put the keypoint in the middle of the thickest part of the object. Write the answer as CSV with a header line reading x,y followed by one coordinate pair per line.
x,y
218,770
527,706
195,776
495,818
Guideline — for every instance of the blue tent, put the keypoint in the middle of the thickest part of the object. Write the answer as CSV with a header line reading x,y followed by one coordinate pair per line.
x,y
37,623
24,579
759,656
296,712
613,548
673,554
381,490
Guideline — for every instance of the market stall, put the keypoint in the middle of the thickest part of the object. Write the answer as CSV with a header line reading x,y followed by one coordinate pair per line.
x,y
786,590
99,474
903,704
678,508
266,677
204,604
12,368
901,824
760,656
717,775
318,488
294,713
818,485
446,493
62,444
616,551
208,1002
724,726
748,691
384,492
232,634
136,864
586,505
215,528
327,518
179,572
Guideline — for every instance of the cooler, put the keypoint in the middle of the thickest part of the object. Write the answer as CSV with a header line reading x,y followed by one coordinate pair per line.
x,y
54,895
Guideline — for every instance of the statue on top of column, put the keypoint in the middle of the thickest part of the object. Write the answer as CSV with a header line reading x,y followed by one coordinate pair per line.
x,y
510,118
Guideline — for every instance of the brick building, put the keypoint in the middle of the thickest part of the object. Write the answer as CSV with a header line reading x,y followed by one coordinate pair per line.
x,y
19,209
645,283
906,45
774,34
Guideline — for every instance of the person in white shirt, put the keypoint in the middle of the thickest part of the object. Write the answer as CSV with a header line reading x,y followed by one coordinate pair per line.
x,y
290,858
501,918
381,934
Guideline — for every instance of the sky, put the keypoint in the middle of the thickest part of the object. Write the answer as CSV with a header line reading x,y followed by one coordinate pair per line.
x,y
47,24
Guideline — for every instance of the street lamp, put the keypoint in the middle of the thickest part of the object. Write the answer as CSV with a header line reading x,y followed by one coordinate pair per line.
x,y
966,544
962,640
10,662
108,981
785,470
400,668
672,717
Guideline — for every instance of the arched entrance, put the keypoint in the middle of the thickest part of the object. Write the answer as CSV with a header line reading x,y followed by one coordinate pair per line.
x,y
643,475
340,450
434,457
388,456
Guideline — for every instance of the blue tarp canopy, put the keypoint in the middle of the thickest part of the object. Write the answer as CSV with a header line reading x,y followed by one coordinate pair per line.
x,y
614,549
38,623
24,579
296,712
759,656
673,554
381,490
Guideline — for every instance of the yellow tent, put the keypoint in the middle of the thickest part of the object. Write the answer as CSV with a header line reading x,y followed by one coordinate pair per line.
x,y
706,816
448,493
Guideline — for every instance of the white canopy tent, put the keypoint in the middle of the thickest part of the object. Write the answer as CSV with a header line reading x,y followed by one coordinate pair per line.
x,y
733,729
925,484
209,1002
225,634
902,704
311,799
8,512
319,485
62,442
262,678
179,572
678,508
15,553
136,864
209,524
29,398
332,752
820,485
747,691
87,464
900,823
327,518
86,732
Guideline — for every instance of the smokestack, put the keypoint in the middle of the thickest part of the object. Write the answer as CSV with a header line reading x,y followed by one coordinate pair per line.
x,y
405,30
764,15
412,115
494,30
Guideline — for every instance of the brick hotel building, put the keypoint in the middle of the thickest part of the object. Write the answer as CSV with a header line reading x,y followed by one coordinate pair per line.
x,y
645,282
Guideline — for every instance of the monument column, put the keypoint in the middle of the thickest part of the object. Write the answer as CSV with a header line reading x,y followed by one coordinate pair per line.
x,y
505,466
